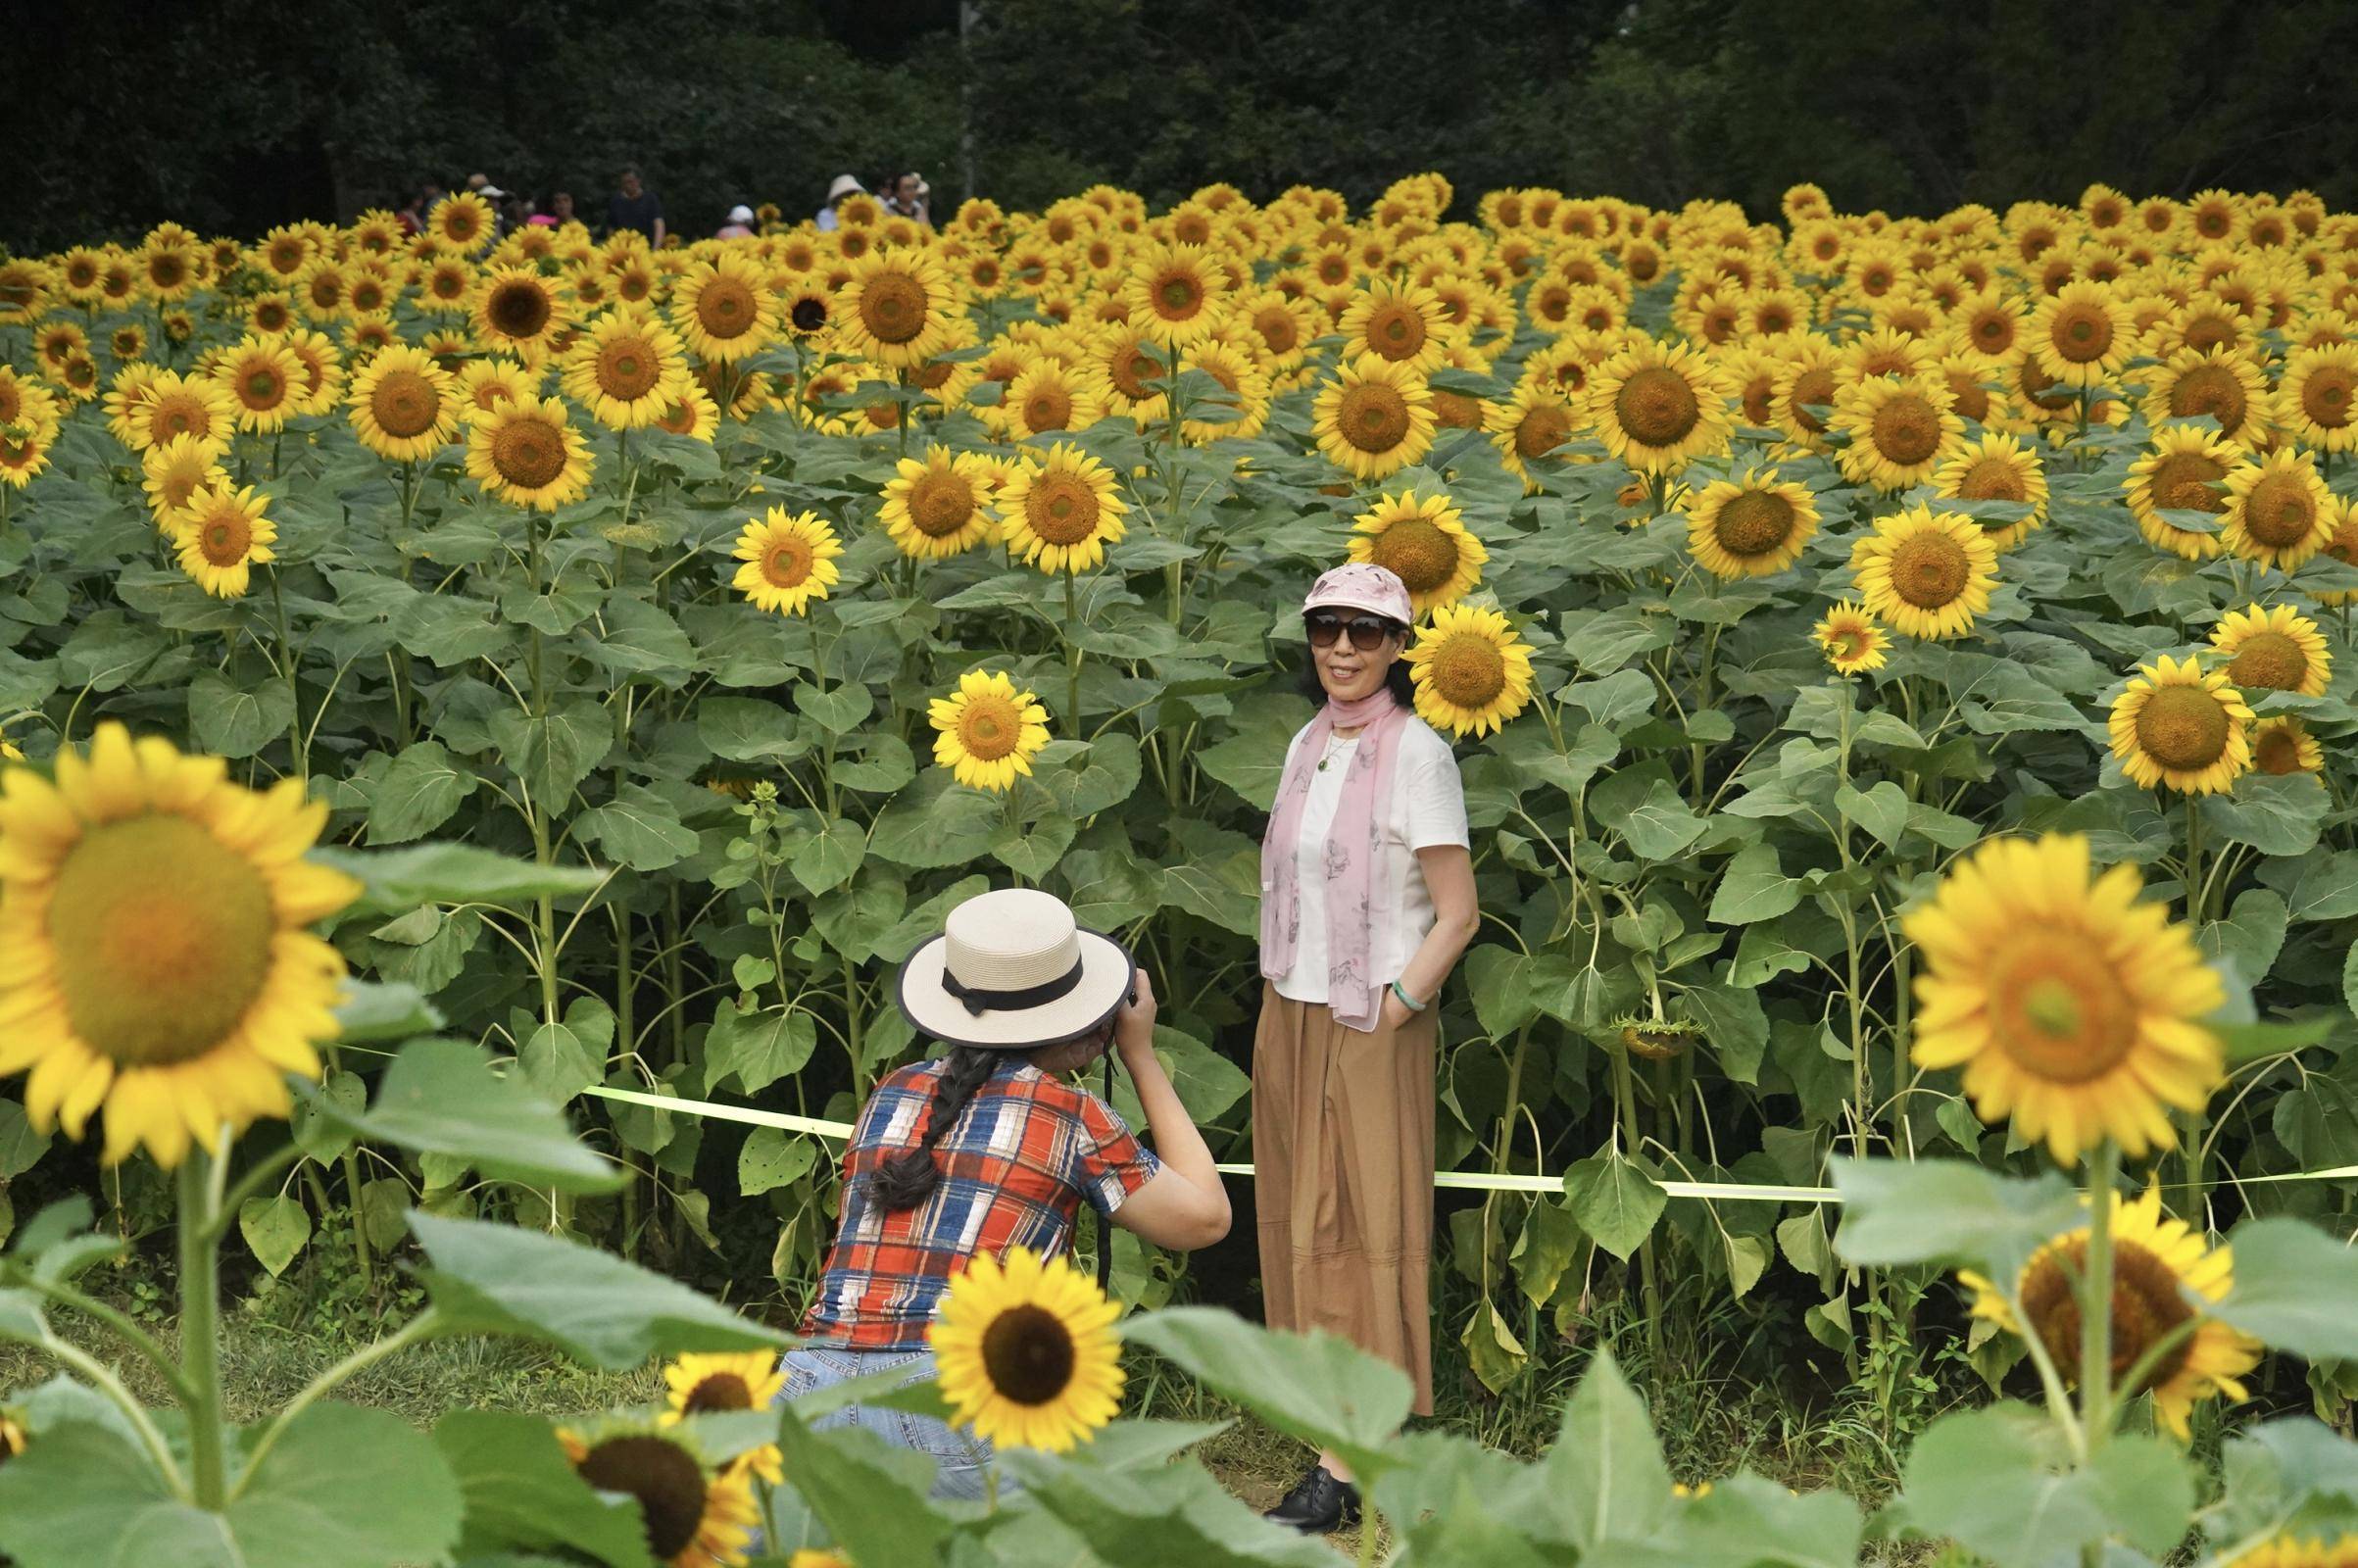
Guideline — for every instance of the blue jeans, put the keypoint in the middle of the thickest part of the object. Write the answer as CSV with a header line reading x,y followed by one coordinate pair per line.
x,y
961,1457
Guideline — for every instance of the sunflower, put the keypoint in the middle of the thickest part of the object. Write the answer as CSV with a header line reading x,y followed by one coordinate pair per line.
x,y
1424,543
2272,649
1242,402
261,377
695,416
221,534
1282,326
2157,1264
1996,467
519,312
2185,471
1528,427
1658,407
2081,334
1987,325
1175,292
627,367
24,452
492,381
694,1516
938,506
463,220
2220,385
1027,1351
447,288
1398,321
173,472
1927,573
896,309
1470,671
322,382
404,407
2288,1551
807,308
1374,419
1051,397
1897,430
2072,1007
1753,527
155,915
2178,727
2318,396
2283,745
526,451
2279,513
1060,515
1853,642
12,1438
749,1380
788,561
986,731
725,309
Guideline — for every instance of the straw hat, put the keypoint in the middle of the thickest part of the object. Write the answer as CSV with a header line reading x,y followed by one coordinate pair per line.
x,y
844,185
1011,969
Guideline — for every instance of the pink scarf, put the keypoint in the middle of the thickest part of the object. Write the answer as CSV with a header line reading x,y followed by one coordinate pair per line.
x,y
1352,852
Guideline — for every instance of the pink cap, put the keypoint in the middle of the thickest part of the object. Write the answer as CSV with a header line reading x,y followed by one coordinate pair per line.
x,y
1363,585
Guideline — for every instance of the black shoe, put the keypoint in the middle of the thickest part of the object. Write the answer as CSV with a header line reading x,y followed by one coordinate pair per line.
x,y
1318,1503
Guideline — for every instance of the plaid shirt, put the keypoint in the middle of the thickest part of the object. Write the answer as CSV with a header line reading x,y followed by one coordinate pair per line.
x,y
1015,1170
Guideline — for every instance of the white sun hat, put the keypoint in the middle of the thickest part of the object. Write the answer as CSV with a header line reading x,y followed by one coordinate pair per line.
x,y
741,214
1012,969
844,185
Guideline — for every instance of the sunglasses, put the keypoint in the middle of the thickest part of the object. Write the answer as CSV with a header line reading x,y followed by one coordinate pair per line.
x,y
1367,632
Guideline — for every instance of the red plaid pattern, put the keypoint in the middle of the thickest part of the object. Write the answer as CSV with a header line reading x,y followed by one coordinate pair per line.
x,y
1014,1171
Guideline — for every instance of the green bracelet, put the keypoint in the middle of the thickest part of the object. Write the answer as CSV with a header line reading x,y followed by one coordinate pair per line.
x,y
1408,1000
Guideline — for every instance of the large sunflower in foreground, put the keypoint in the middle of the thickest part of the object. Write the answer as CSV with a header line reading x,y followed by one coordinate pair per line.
x,y
1927,573
155,918
520,313
1374,419
2081,334
1854,644
2220,386
1657,407
725,309
2279,511
896,310
986,732
2176,726
627,368
1751,526
789,559
2185,471
2070,1006
2157,1263
1424,543
177,469
1059,515
404,406
263,378
741,1380
1400,321
222,534
2318,400
1027,1352
1897,430
1469,670
694,1516
2274,648
1996,467
526,450
938,505
1175,292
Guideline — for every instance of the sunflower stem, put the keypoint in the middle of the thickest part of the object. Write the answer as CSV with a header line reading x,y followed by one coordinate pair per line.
x,y
1072,652
362,1260
200,1332
2189,1197
2095,1302
298,755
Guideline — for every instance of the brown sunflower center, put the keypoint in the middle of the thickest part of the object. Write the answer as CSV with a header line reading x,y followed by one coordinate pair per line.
x,y
1993,331
1420,553
665,1479
628,368
2183,727
2187,481
2280,512
1396,331
1657,407
2277,750
2057,1010
726,307
1468,671
1754,524
1061,508
2209,331
261,386
225,537
2326,396
2269,659
163,937
1993,479
1810,387
788,561
989,726
1047,406
940,503
2212,390
1930,569
1373,416
1029,1354
2147,1308
1457,411
528,453
1846,643
405,404
519,308
1178,296
721,1391
809,314
1277,329
1906,429
2081,333
893,307
1542,428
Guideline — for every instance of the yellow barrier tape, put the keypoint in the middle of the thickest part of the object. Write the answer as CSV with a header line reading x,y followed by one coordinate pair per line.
x,y
1461,1179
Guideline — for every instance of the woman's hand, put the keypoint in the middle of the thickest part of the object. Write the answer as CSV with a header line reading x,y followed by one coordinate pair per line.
x,y
1134,1020
1395,1014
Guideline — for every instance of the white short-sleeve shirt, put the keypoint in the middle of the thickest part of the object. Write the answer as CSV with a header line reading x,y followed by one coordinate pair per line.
x,y
1427,808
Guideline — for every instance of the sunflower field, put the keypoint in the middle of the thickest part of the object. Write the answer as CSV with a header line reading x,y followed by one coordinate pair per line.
x,y
463,694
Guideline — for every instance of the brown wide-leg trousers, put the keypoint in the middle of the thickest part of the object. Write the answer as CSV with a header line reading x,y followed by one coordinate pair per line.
x,y
1343,1179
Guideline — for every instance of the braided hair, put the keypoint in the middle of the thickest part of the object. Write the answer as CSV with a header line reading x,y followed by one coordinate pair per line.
x,y
909,1178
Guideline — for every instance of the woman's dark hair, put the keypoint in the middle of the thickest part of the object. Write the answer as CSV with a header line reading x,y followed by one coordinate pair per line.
x,y
1306,680
909,1178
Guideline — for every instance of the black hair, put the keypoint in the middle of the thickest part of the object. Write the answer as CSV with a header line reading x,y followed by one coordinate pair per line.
x,y
909,1178
1306,682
